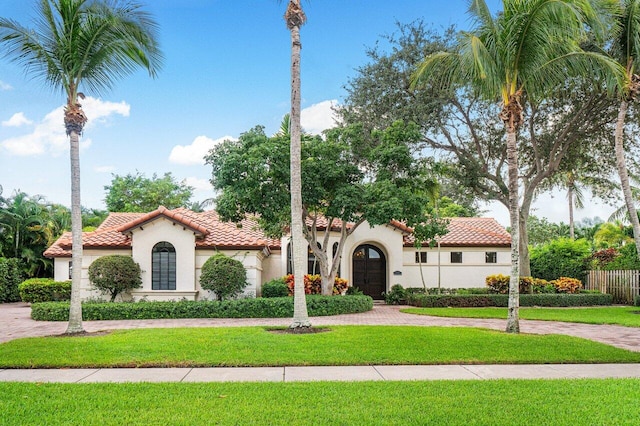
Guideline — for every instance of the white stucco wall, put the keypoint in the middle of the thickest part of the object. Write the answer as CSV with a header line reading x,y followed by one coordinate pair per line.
x,y
470,273
143,240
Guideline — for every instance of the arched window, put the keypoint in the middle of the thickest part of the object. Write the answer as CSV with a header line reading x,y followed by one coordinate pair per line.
x,y
163,266
335,249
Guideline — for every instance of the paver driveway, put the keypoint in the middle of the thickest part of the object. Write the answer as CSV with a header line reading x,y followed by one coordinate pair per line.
x,y
15,322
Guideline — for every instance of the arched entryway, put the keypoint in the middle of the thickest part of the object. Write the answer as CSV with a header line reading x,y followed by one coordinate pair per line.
x,y
370,270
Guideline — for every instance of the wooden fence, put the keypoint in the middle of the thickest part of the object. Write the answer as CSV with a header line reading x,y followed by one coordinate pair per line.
x,y
624,285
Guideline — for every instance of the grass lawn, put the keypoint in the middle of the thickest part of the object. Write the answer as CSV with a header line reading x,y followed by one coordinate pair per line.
x,y
343,345
494,402
620,315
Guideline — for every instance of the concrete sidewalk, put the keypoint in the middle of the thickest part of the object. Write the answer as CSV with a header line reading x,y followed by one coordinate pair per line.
x,y
339,374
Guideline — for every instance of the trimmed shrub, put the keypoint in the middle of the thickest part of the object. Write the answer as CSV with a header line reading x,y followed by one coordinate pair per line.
x,y
10,279
37,290
275,288
353,291
567,285
502,300
636,300
276,307
499,284
224,276
313,284
396,296
115,274
562,257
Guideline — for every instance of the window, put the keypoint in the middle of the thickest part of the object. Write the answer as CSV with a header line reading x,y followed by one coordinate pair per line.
x,y
491,257
421,257
334,251
163,266
456,257
290,257
70,269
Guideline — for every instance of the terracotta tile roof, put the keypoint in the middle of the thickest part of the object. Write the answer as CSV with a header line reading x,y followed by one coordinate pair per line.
x,y
114,232
471,232
173,215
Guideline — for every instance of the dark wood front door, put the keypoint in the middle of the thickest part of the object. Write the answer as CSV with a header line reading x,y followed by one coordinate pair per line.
x,y
370,271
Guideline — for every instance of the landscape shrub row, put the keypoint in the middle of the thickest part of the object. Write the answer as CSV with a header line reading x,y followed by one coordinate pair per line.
x,y
10,278
313,284
281,307
502,300
499,284
37,290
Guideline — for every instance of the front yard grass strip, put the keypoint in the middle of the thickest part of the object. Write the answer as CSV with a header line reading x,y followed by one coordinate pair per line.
x,y
617,315
492,402
343,345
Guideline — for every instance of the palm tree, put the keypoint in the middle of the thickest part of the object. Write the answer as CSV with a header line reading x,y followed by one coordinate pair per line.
x,y
575,197
626,49
89,44
295,18
531,47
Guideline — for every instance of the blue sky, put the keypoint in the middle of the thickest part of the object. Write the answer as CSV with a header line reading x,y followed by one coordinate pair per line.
x,y
226,70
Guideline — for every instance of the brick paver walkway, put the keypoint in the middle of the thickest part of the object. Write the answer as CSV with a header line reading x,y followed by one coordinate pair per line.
x,y
15,322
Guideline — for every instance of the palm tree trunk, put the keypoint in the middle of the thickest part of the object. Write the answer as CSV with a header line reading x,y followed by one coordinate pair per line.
x,y
513,325
572,234
75,308
300,314
624,176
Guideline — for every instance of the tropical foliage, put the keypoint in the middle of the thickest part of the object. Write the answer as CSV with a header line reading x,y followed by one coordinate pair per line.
x,y
137,193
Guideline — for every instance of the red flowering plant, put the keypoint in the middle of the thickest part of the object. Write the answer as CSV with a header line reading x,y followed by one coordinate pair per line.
x,y
313,284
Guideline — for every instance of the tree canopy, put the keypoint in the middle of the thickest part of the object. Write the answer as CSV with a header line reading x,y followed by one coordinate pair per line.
x,y
350,176
137,193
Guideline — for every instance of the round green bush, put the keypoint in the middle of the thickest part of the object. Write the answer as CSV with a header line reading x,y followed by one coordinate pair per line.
x,y
115,274
275,288
562,257
224,276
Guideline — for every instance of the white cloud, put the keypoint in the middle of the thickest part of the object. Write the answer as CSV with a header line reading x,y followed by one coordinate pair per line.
x,y
18,119
5,86
104,169
199,184
194,154
318,117
49,135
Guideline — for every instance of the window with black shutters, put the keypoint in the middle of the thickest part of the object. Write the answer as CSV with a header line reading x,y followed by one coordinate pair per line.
x,y
163,266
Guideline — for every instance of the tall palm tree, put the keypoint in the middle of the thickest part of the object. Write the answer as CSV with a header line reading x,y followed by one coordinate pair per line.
x,y
531,47
295,18
88,44
626,50
575,197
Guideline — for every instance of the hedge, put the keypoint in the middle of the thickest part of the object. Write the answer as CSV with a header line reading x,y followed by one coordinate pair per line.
x,y
37,290
502,300
636,300
276,307
10,278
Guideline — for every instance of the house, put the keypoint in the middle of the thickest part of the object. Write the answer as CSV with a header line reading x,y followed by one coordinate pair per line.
x,y
172,245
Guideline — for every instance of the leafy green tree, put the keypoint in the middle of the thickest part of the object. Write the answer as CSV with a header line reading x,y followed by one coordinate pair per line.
x,y
562,257
224,276
571,126
75,44
27,229
541,231
252,177
528,49
626,49
115,274
137,193
611,234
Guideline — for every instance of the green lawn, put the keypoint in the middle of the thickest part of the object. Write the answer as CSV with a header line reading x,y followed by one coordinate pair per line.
x,y
620,315
493,402
343,345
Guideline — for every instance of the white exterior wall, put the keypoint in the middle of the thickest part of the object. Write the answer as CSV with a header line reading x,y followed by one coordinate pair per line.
x,y
470,273
272,267
183,240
